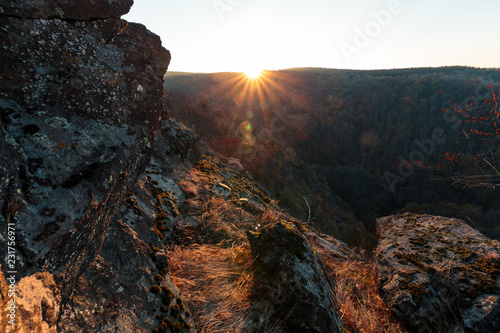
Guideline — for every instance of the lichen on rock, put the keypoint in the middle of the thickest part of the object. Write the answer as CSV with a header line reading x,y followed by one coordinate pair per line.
x,y
290,276
438,273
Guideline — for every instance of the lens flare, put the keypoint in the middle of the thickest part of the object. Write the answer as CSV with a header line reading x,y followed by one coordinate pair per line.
x,y
253,74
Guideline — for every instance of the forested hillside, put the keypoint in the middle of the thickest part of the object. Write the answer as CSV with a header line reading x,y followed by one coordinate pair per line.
x,y
381,141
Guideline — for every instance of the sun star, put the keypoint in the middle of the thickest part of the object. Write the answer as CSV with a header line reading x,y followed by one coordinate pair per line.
x,y
253,74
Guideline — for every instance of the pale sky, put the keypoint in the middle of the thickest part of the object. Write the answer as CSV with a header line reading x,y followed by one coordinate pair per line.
x,y
243,35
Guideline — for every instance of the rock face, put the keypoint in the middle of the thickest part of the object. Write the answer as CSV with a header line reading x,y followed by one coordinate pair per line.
x,y
80,101
439,274
291,276
65,9
128,284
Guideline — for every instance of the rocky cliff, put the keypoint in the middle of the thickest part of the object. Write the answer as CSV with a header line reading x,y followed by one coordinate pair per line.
x,y
80,100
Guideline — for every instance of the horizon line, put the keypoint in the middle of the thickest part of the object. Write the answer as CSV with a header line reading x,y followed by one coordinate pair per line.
x,y
338,69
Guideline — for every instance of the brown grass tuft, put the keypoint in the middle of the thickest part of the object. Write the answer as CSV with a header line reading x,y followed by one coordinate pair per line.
x,y
362,308
214,273
227,222
224,222
216,283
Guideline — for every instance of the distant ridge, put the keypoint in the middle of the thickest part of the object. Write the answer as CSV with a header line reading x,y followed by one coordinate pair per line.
x,y
336,71
169,73
390,72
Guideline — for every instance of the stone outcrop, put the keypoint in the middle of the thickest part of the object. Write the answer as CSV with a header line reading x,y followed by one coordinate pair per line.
x,y
291,277
127,285
439,274
80,101
65,9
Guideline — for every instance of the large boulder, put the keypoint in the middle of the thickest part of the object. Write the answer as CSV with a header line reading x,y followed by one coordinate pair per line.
x,y
80,103
290,277
439,274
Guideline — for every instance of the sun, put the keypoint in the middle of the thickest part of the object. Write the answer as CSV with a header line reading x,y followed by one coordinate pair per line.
x,y
253,74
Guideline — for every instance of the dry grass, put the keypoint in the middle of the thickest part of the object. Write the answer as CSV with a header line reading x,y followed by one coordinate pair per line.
x,y
223,222
216,283
214,269
362,308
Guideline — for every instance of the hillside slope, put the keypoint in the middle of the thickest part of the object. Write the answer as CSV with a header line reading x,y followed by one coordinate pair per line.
x,y
379,140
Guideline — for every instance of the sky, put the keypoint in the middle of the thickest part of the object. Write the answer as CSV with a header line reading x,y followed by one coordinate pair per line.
x,y
248,35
